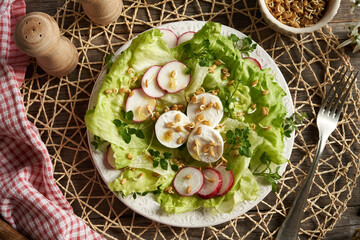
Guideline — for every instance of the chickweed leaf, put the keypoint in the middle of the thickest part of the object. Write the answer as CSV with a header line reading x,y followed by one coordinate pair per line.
x,y
140,134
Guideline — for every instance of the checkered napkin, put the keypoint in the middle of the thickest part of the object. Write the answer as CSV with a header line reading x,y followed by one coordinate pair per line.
x,y
29,198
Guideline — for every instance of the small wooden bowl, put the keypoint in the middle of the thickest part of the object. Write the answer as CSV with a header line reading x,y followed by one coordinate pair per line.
x,y
330,11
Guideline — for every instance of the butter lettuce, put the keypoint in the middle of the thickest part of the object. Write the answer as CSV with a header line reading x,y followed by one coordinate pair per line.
x,y
150,49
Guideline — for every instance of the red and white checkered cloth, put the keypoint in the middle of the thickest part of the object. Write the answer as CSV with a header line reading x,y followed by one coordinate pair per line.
x,y
29,198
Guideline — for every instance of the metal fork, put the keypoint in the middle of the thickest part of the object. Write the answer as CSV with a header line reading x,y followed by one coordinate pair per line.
x,y
326,121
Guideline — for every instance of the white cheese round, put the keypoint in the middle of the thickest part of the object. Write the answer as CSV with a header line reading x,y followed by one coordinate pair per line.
x,y
207,109
206,144
170,129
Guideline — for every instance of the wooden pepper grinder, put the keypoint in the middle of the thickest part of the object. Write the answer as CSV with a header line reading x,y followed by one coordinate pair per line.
x,y
102,12
38,35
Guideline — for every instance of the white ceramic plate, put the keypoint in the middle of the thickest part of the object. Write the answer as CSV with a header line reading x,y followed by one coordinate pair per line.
x,y
146,205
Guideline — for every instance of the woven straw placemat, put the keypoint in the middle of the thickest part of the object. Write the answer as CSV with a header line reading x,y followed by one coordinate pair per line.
x,y
57,107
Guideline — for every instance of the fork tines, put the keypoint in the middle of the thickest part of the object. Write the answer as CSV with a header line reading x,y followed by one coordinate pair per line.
x,y
338,92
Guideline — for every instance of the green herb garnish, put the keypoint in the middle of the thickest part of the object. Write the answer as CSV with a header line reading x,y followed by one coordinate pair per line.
x,y
290,123
163,161
244,45
238,141
125,130
205,55
97,142
267,173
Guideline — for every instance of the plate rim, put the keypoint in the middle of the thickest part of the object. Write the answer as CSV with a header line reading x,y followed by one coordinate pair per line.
x,y
157,217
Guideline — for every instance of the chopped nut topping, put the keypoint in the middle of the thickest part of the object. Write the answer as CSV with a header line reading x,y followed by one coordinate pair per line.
x,y
219,126
157,114
169,189
130,70
169,135
167,109
178,129
206,148
211,70
268,128
115,90
211,180
198,131
188,176
240,113
265,111
140,175
139,110
203,101
148,108
123,181
172,83
223,159
122,90
173,74
155,174
266,92
189,126
206,122
212,153
175,107
201,107
129,156
177,117
199,117
214,66
193,99
225,76
218,62
197,143
108,91
254,83
217,105
253,106
134,79
231,82
199,91
188,190
170,124
212,143
209,105
224,70
181,106
131,93
253,126
133,169
146,83
187,99
180,140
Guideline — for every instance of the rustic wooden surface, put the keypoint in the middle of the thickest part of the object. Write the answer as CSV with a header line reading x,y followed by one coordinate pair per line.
x,y
350,220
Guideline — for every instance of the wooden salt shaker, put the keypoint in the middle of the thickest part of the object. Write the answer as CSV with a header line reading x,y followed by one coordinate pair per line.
x,y
38,35
102,12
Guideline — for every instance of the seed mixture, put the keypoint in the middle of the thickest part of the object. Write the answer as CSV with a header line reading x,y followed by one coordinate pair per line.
x,y
297,13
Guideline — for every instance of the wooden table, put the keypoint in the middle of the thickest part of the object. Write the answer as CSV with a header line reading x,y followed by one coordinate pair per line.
x,y
351,218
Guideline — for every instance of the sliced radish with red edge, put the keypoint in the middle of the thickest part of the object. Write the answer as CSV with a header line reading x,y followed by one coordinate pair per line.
x,y
188,181
149,83
186,36
172,77
110,157
254,61
169,36
212,184
141,104
228,180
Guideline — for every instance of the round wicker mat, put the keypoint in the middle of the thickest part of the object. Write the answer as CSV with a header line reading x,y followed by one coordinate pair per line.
x,y
57,107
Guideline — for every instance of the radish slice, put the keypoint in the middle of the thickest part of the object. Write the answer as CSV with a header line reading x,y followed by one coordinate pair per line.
x,y
186,36
212,184
207,105
170,129
254,61
169,37
205,144
188,181
110,159
228,180
149,83
172,77
141,104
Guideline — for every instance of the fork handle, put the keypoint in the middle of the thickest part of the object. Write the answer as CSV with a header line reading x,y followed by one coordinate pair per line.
x,y
290,227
